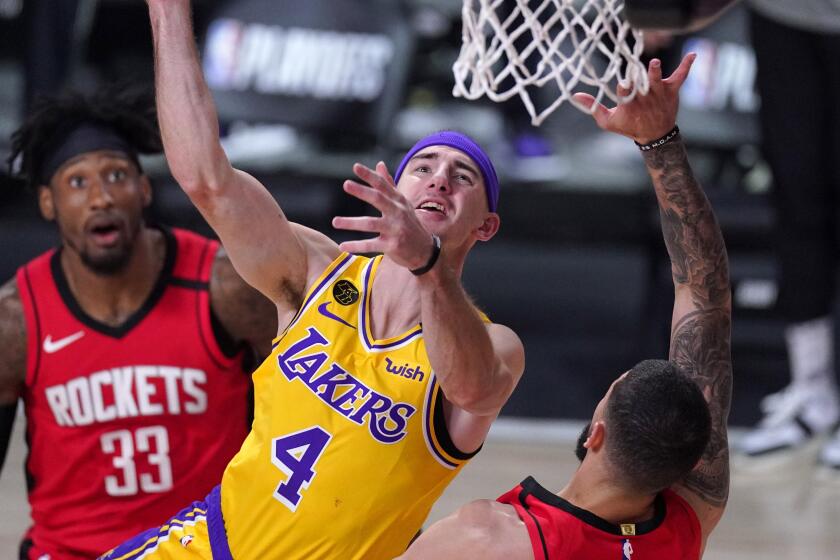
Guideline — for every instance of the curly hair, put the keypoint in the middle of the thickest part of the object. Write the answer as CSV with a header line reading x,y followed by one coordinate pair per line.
x,y
128,111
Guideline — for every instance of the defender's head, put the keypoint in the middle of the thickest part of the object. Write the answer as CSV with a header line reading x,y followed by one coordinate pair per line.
x,y
81,154
453,186
650,429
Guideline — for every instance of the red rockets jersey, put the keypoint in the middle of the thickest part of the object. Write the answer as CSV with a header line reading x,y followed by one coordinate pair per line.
x,y
125,424
561,531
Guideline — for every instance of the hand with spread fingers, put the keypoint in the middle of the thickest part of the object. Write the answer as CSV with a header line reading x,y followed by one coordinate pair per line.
x,y
401,236
646,117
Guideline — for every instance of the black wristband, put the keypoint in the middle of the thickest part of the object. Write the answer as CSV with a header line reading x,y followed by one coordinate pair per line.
x,y
432,260
661,141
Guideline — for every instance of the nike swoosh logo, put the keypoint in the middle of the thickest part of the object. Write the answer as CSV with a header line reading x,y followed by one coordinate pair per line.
x,y
322,309
51,346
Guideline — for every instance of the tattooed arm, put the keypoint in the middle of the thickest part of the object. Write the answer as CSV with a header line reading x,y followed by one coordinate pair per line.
x,y
701,321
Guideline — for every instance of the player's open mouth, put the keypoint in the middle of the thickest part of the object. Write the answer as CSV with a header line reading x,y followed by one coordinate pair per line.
x,y
430,206
104,232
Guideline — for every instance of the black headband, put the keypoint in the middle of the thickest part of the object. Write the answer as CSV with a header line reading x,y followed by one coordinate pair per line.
x,y
83,138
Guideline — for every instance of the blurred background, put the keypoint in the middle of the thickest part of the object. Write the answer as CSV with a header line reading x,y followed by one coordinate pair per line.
x,y
305,88
578,269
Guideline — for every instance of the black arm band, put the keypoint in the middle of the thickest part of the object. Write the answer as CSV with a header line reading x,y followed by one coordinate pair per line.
x,y
661,141
432,260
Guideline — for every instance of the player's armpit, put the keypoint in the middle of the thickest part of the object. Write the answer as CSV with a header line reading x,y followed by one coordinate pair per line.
x,y
482,529
246,315
320,252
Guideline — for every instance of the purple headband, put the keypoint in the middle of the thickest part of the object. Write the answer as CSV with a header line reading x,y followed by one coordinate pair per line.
x,y
467,145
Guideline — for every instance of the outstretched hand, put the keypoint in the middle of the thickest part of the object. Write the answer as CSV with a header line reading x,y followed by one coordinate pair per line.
x,y
646,117
402,237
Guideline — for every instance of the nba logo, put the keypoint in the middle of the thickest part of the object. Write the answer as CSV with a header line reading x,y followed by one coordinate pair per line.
x,y
221,54
626,550
186,540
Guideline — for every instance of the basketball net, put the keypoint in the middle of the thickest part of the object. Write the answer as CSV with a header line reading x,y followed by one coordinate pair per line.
x,y
548,49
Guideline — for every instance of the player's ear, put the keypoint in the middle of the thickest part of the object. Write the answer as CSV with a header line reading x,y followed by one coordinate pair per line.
x,y
488,227
597,435
46,203
146,190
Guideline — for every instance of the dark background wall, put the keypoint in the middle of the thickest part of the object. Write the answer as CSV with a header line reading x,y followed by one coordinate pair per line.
x,y
578,269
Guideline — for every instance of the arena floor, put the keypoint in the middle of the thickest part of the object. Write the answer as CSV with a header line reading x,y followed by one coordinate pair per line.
x,y
790,514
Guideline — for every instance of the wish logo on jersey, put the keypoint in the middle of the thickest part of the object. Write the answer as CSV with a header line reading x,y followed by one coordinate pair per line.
x,y
306,361
413,373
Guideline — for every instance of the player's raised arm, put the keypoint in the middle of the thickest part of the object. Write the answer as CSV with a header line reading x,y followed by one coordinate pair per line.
x,y
272,254
701,322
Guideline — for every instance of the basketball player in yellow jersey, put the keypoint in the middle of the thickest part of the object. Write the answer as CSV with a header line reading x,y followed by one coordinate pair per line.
x,y
386,379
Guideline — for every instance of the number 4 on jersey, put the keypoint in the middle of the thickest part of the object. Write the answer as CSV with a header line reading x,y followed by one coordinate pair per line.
x,y
296,454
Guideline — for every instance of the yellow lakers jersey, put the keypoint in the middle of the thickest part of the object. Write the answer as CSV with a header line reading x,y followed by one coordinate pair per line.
x,y
349,448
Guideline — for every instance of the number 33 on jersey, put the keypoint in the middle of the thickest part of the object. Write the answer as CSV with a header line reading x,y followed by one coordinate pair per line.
x,y
124,423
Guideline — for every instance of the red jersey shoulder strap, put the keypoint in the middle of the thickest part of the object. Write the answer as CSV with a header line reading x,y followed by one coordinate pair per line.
x,y
518,498
192,270
195,256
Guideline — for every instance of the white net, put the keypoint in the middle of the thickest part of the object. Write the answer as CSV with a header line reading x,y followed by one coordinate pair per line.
x,y
545,51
